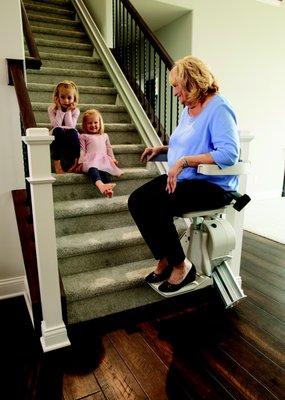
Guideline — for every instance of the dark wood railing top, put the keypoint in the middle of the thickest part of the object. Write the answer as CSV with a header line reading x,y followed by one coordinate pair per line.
x,y
149,35
34,61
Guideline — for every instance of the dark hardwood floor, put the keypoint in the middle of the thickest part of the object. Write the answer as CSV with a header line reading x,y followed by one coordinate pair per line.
x,y
188,348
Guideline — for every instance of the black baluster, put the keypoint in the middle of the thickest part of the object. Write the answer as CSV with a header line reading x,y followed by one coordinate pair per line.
x,y
159,99
165,104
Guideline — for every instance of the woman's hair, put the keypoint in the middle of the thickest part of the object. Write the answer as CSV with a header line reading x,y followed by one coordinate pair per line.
x,y
87,114
66,85
195,78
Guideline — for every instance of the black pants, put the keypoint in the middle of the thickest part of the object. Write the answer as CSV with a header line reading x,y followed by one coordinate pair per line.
x,y
98,175
65,147
153,209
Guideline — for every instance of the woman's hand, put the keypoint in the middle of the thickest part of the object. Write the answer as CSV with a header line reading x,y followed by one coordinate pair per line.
x,y
172,176
150,153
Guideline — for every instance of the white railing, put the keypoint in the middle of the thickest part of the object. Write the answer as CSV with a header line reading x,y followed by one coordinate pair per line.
x,y
54,334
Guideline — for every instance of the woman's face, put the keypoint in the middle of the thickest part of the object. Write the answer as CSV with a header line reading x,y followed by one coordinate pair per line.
x,y
179,92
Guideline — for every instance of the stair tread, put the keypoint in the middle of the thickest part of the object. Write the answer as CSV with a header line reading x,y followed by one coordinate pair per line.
x,y
47,87
109,127
100,107
89,242
61,43
48,9
128,173
33,16
56,31
72,72
71,57
72,208
105,280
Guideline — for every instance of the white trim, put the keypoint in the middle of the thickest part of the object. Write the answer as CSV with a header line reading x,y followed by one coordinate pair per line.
x,y
40,181
54,338
14,287
132,104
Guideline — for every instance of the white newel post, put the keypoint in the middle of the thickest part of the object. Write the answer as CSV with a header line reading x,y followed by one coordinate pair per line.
x,y
237,218
54,334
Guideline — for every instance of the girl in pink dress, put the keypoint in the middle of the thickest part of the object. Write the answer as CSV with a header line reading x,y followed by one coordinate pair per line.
x,y
97,158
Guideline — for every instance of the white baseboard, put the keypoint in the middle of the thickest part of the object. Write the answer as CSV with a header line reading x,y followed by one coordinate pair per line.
x,y
14,287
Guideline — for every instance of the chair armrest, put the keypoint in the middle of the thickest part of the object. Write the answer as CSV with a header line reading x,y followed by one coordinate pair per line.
x,y
241,168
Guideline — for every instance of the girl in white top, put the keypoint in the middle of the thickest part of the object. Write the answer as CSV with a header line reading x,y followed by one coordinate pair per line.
x,y
63,115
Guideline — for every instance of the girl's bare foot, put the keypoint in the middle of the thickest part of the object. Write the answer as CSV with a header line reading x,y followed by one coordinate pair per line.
x,y
106,188
57,167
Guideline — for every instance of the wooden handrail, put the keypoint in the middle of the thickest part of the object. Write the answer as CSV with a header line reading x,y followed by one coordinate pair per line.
x,y
149,35
34,61
26,110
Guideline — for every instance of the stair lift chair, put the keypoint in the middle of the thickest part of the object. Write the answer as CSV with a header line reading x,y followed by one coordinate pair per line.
x,y
211,239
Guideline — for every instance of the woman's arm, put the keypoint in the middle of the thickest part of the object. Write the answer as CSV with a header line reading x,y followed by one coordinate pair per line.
x,y
150,152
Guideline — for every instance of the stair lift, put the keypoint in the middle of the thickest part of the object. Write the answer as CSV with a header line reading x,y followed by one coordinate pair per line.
x,y
210,240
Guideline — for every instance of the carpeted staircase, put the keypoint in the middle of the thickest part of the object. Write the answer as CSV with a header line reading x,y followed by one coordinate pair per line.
x,y
102,256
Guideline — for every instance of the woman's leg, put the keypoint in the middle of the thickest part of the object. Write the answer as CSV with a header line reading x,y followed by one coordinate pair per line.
x,y
105,188
153,210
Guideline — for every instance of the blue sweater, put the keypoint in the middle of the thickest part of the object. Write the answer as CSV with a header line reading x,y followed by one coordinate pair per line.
x,y
213,131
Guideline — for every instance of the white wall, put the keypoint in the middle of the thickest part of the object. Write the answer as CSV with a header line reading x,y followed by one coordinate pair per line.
x,y
102,15
243,42
11,169
181,30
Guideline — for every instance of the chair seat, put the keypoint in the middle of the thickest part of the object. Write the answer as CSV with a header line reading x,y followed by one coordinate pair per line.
x,y
204,213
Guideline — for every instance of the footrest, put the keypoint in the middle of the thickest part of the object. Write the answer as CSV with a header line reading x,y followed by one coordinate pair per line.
x,y
200,282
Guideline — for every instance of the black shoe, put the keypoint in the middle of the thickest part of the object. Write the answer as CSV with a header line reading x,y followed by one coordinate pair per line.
x,y
168,287
155,278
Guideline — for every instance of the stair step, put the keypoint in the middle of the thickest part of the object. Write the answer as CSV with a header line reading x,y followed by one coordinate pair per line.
x,y
81,216
106,280
63,47
104,249
74,187
59,34
118,133
53,22
128,155
80,77
110,112
111,303
43,9
71,62
43,92
57,3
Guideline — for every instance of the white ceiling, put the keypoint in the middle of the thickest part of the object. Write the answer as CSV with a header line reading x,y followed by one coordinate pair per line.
x,y
157,14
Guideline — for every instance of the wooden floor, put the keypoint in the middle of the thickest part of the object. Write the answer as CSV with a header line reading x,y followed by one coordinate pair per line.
x,y
191,348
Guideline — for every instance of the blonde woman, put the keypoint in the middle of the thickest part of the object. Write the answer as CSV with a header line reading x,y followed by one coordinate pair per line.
x,y
207,133
97,158
63,115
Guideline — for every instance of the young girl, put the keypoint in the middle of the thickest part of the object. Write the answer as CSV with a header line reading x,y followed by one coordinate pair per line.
x,y
96,154
63,115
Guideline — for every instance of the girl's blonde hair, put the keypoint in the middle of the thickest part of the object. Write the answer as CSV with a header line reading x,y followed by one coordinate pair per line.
x,y
195,78
87,114
66,85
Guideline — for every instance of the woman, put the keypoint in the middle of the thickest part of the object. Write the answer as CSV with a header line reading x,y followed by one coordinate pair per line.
x,y
206,134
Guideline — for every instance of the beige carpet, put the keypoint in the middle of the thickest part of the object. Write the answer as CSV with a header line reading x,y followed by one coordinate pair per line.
x,y
266,218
